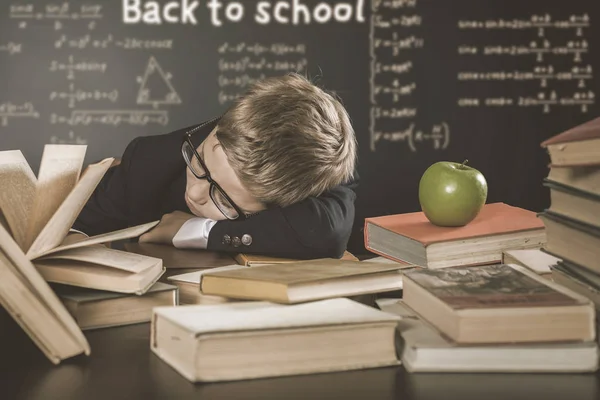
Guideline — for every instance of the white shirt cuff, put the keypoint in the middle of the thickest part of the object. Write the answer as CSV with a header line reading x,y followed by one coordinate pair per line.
x,y
193,234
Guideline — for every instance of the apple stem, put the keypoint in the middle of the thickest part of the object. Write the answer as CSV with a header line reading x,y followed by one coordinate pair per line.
x,y
463,164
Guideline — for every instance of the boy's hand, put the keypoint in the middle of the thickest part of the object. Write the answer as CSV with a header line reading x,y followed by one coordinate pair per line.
x,y
167,228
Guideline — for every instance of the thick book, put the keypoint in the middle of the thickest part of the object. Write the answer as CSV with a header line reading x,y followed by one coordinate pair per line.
x,y
574,203
577,282
572,240
259,259
536,260
498,304
303,280
35,307
411,238
250,340
426,349
39,213
578,146
586,179
93,309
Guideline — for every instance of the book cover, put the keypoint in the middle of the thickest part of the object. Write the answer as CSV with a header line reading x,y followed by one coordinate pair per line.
x,y
586,131
303,271
253,259
494,219
488,286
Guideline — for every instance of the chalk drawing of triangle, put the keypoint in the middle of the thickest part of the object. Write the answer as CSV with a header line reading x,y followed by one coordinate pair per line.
x,y
155,86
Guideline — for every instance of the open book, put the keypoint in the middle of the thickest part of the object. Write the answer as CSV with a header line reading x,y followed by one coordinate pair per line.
x,y
36,215
40,212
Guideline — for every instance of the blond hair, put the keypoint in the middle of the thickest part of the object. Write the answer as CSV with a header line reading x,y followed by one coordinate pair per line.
x,y
287,139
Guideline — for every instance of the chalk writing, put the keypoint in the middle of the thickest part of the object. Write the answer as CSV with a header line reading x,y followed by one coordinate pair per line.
x,y
11,48
552,63
241,64
112,117
10,110
395,37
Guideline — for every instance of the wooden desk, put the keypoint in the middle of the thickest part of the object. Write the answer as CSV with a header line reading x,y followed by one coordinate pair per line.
x,y
123,367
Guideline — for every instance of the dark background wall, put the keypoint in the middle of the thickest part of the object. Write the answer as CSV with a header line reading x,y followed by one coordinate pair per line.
x,y
423,80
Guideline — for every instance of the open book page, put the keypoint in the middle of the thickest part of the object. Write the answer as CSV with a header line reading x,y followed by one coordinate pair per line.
x,y
54,232
33,315
34,282
121,234
59,172
17,193
101,255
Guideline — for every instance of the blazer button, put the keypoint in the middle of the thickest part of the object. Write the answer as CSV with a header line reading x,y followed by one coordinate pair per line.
x,y
236,241
226,239
246,240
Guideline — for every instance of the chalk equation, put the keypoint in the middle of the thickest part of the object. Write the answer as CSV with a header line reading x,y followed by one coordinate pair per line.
x,y
11,48
395,37
63,11
74,95
71,66
395,113
109,41
553,63
10,110
242,64
70,139
538,22
248,64
257,49
112,117
438,137
392,4
542,74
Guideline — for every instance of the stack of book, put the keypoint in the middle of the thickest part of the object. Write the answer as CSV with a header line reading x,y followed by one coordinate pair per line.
x,y
188,281
493,318
573,219
285,318
411,238
37,249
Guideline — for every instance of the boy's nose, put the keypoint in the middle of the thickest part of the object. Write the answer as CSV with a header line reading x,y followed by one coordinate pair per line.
x,y
198,192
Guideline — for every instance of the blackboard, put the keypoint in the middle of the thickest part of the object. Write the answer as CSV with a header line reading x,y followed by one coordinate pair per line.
x,y
423,80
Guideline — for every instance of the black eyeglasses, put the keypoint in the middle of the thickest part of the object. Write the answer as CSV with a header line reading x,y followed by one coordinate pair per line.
x,y
196,164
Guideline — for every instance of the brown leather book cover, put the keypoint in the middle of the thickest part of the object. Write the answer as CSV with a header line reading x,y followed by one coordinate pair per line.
x,y
494,219
587,131
181,258
252,259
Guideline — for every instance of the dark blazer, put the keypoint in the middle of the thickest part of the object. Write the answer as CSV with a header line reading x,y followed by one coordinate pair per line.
x,y
150,182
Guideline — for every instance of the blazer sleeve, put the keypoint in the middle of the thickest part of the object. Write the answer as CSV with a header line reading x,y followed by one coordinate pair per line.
x,y
107,208
317,227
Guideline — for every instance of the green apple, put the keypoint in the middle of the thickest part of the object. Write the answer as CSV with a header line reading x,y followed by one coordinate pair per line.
x,y
452,194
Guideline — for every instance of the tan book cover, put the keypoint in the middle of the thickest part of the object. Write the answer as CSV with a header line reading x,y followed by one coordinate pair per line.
x,y
578,146
253,259
304,280
586,131
488,286
534,259
35,307
426,349
494,219
498,304
93,309
232,341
